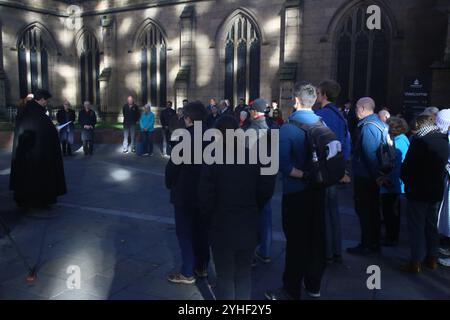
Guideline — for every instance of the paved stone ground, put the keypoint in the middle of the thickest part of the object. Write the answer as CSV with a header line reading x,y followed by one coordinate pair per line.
x,y
117,225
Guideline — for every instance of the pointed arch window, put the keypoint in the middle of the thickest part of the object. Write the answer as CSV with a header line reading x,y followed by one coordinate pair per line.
x,y
362,58
33,55
242,60
89,69
153,66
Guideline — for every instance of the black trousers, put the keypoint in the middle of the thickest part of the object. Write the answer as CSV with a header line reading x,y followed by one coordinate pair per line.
x,y
88,147
367,208
304,228
390,204
66,148
234,272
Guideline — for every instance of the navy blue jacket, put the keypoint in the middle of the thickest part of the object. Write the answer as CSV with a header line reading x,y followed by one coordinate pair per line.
x,y
295,151
365,159
333,118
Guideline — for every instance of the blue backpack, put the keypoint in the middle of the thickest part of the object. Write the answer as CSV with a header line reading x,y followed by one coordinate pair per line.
x,y
386,152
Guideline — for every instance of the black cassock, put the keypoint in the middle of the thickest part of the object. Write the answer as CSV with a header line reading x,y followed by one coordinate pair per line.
x,y
37,170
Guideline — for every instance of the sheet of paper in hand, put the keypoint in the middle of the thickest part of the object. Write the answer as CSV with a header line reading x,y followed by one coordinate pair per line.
x,y
63,125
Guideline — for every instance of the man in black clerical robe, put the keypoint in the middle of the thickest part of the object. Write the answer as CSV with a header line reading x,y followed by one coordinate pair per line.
x,y
37,171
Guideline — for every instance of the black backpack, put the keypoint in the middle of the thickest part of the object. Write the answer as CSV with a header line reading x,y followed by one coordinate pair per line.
x,y
386,152
325,170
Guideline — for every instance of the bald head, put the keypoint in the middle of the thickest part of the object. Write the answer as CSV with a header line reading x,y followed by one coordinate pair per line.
x,y
365,107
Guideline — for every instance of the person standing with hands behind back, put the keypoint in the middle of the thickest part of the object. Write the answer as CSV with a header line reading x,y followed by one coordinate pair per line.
x,y
87,119
131,116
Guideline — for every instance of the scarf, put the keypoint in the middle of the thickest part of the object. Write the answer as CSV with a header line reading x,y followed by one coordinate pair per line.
x,y
426,130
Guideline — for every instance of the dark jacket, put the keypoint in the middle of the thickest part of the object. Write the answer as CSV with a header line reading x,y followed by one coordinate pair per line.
x,y
166,116
211,120
228,111
423,170
130,115
231,198
37,171
63,117
87,119
182,180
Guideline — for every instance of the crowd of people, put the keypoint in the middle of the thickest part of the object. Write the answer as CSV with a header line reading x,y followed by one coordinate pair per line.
x,y
397,170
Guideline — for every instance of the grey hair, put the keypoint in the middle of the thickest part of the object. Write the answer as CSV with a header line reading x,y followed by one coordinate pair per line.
x,y
306,93
148,106
86,103
223,103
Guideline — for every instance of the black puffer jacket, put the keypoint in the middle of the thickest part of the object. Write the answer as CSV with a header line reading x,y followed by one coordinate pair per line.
x,y
423,170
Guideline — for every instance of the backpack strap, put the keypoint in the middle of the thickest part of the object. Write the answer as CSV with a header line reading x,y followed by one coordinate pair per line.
x,y
384,131
305,128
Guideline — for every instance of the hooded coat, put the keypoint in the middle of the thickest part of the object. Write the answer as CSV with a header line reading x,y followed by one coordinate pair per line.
x,y
37,170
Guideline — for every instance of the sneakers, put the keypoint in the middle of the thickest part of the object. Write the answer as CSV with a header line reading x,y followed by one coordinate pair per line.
x,y
412,267
278,294
444,252
261,258
315,295
178,278
125,151
431,263
444,262
359,250
201,273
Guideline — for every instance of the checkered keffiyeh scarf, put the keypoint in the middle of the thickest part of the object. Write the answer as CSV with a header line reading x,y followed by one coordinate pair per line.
x,y
426,130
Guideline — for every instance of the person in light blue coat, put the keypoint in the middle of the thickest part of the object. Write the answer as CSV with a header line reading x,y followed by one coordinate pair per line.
x,y
393,190
366,175
147,123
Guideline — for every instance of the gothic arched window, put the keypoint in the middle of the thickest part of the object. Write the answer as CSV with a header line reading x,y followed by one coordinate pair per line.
x,y
153,66
33,57
362,58
89,68
242,60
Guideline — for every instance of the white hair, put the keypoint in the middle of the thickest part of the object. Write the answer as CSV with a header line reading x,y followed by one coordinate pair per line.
x,y
148,106
384,113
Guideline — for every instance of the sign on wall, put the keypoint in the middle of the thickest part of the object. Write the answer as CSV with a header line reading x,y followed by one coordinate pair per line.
x,y
416,95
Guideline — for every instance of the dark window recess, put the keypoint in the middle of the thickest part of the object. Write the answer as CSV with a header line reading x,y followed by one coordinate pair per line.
x,y
154,77
89,69
23,82
229,68
34,70
153,66
44,69
242,70
33,58
83,77
255,56
362,59
163,77
242,60
144,80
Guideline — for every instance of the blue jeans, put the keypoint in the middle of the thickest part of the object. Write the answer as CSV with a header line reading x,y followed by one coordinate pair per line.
x,y
193,240
332,223
265,231
147,142
129,132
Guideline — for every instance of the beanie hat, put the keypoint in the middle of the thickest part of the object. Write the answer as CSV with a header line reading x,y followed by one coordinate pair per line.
x,y
443,120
